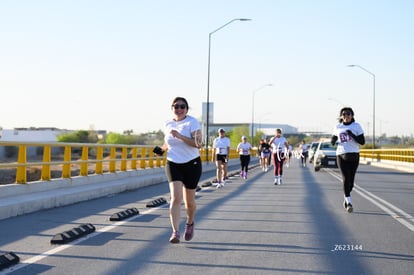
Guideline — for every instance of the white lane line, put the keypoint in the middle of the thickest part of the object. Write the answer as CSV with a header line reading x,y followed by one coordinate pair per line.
x,y
401,216
62,247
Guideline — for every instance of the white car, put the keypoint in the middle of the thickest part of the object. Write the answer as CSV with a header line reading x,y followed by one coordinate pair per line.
x,y
325,155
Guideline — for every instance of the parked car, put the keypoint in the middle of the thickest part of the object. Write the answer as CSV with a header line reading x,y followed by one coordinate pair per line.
x,y
325,155
312,150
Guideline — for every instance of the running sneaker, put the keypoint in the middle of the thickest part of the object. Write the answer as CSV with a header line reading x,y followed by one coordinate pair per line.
x,y
219,185
345,204
276,180
175,237
189,231
349,208
280,181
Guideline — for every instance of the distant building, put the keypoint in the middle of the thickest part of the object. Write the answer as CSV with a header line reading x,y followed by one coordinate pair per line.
x,y
29,135
267,129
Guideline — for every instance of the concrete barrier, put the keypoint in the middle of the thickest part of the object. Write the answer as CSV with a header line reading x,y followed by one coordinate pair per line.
x,y
19,199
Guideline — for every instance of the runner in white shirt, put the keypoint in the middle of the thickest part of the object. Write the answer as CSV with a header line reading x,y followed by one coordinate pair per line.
x,y
183,168
279,153
244,151
303,150
221,147
349,135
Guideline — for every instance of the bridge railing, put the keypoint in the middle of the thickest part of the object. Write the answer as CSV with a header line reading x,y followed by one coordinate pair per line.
x,y
66,160
401,155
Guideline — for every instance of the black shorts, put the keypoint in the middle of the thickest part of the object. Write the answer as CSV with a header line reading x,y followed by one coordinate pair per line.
x,y
188,173
222,158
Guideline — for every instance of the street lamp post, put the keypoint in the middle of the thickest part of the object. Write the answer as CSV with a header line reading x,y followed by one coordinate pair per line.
x,y
208,77
253,94
373,106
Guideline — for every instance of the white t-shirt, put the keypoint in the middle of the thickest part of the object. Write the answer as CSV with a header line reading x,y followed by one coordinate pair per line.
x,y
221,145
346,144
244,148
279,145
303,148
178,150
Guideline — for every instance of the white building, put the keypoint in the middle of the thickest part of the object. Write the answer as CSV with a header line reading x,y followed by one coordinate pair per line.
x,y
29,135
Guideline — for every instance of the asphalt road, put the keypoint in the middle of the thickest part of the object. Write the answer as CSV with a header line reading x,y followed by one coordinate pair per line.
x,y
248,227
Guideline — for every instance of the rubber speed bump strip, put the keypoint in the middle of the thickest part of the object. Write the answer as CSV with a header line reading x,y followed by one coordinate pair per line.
x,y
8,259
157,202
124,214
206,184
73,234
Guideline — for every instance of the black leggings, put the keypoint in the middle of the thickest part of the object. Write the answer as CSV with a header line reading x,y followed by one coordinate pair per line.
x,y
304,157
348,164
244,162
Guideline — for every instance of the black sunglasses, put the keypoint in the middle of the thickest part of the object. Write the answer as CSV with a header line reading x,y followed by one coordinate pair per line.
x,y
346,113
179,106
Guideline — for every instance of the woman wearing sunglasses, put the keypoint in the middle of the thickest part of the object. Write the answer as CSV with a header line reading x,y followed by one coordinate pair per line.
x,y
183,168
348,135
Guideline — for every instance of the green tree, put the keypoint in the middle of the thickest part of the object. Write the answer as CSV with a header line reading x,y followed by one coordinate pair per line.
x,y
236,134
115,138
81,136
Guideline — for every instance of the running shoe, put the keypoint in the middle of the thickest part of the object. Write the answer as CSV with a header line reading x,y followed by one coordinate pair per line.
x,y
189,231
276,180
175,237
349,208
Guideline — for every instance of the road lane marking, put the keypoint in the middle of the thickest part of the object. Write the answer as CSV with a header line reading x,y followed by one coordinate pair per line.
x,y
392,210
60,248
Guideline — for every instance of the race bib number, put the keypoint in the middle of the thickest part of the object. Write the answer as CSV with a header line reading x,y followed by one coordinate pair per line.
x,y
344,137
222,151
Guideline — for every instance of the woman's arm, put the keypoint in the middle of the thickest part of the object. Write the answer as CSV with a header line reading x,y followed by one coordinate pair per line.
x,y
334,139
360,139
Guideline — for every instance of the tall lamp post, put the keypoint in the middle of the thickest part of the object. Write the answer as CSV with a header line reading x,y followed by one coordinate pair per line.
x,y
208,77
373,105
253,94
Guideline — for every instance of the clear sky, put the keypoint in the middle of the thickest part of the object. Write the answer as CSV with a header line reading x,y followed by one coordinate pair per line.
x,y
117,65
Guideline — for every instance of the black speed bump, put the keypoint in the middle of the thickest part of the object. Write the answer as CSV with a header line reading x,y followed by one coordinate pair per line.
x,y
124,214
156,202
8,259
73,234
206,184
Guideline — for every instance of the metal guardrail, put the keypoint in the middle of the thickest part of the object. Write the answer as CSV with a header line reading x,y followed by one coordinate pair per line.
x,y
83,159
402,155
